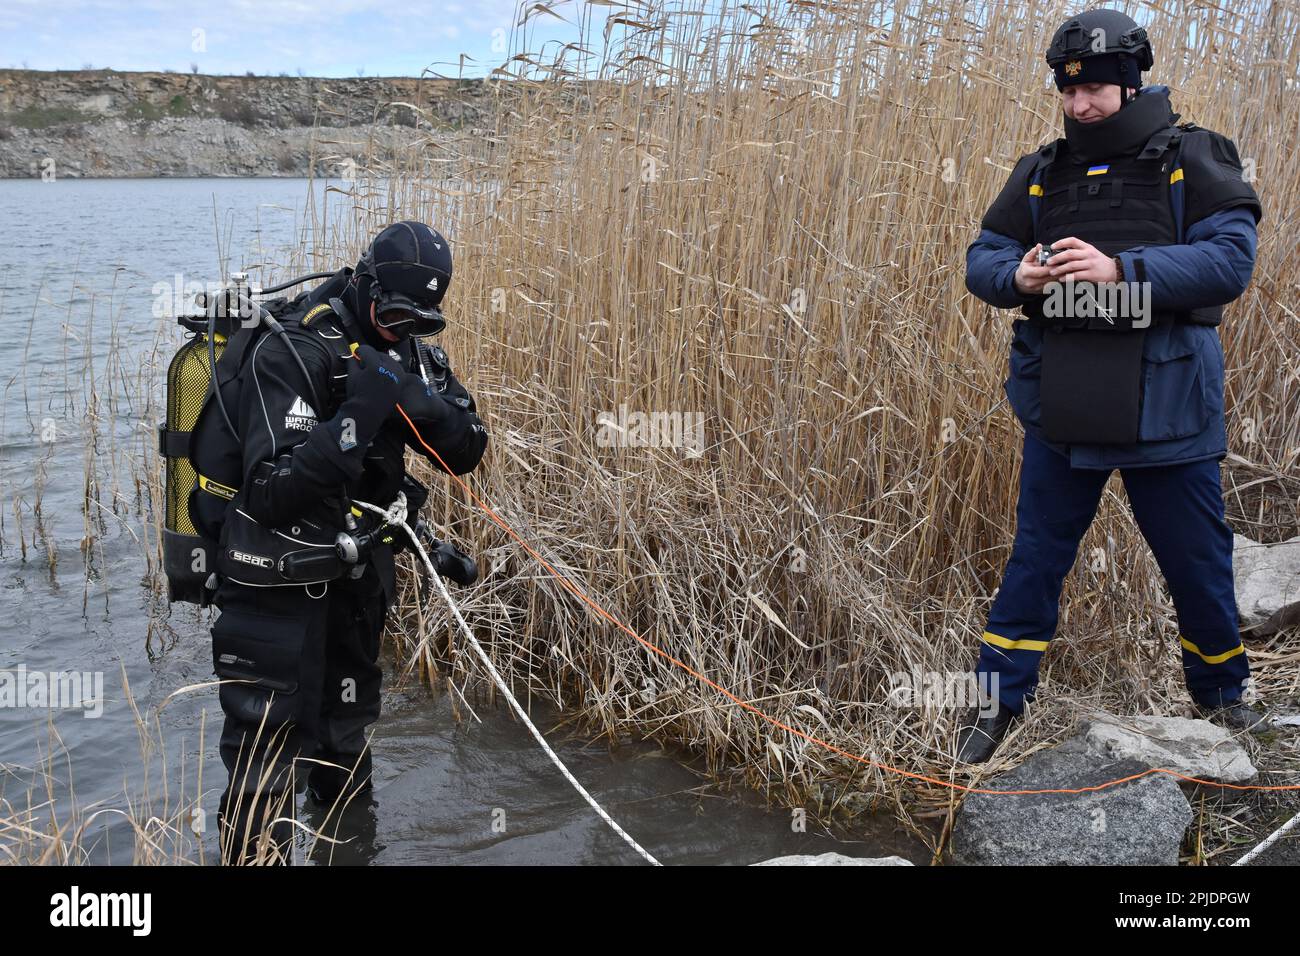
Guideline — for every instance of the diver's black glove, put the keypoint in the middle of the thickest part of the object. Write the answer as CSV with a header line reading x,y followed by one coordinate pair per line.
x,y
452,563
470,453
424,406
446,424
437,367
374,385
416,496
458,394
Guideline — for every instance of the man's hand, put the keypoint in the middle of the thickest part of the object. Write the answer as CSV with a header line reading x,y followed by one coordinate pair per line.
x,y
1075,259
1030,277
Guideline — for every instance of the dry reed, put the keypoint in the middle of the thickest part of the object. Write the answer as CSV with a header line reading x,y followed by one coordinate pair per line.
x,y
760,216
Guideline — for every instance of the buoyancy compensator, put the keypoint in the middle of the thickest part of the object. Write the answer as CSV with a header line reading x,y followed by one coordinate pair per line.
x,y
230,320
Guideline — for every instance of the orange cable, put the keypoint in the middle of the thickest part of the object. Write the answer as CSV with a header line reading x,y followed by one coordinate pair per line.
x,y
650,645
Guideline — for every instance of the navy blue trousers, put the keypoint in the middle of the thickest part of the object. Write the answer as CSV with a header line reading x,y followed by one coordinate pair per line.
x,y
1179,509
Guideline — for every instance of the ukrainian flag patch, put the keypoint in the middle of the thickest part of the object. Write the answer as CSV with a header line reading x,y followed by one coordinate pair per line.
x,y
1098,170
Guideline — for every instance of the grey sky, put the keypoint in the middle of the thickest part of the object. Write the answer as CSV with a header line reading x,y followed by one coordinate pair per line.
x,y
318,37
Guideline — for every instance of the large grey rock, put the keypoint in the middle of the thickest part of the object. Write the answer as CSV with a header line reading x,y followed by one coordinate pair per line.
x,y
1267,581
834,859
1197,748
1139,823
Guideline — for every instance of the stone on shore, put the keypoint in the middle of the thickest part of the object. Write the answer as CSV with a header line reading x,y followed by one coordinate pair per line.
x,y
1267,581
1196,748
1139,823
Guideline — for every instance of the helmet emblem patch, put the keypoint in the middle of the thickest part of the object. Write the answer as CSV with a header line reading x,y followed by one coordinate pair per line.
x,y
1073,68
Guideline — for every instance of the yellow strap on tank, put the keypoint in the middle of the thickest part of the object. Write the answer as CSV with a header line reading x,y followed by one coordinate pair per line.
x,y
217,488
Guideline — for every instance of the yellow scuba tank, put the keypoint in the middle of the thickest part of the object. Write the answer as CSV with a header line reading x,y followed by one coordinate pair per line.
x,y
188,557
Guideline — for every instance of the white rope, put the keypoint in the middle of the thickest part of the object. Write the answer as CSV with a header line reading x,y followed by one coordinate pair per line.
x,y
397,517
1268,842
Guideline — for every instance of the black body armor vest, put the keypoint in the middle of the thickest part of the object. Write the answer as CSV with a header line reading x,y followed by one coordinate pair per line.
x,y
1092,365
1114,205
1120,204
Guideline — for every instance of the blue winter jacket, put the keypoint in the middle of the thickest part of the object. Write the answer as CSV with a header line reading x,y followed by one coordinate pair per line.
x,y
1181,417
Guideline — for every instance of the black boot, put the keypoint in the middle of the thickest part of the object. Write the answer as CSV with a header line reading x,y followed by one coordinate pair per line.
x,y
1234,715
338,779
344,835
980,736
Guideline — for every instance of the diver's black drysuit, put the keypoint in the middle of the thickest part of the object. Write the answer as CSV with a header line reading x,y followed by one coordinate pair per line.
x,y
303,660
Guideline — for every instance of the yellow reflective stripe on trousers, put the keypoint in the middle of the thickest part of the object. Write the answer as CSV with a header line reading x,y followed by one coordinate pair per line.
x,y
1211,658
998,640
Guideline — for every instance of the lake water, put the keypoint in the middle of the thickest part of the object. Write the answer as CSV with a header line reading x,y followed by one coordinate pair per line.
x,y
82,263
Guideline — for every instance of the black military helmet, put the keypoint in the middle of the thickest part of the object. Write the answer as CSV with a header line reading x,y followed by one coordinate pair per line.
x,y
1100,46
409,268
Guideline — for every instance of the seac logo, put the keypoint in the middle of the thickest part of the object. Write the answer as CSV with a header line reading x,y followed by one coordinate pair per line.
x,y
256,560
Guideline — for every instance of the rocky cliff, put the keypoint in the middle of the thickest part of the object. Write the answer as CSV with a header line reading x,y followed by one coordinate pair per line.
x,y
89,123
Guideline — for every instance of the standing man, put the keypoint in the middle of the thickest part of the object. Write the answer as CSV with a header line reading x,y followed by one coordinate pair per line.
x,y
308,423
1127,375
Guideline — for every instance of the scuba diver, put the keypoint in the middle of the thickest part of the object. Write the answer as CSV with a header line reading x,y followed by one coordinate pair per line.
x,y
309,416
1126,198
